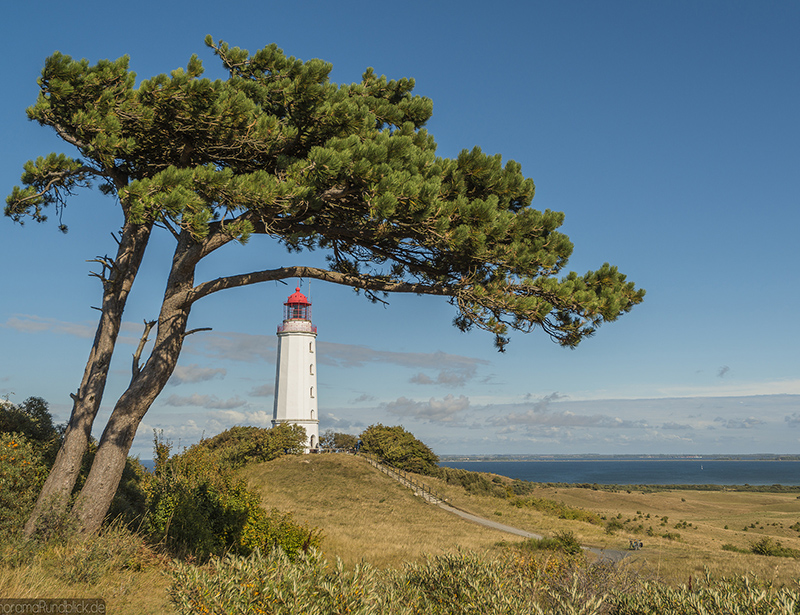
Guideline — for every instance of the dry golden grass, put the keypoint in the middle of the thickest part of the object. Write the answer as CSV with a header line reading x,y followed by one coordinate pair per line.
x,y
127,592
366,515
363,514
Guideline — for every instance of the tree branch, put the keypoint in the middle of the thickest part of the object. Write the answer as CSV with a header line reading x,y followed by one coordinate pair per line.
x,y
142,341
363,282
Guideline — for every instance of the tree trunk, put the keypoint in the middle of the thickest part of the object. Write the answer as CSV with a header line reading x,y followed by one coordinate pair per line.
x,y
98,491
53,499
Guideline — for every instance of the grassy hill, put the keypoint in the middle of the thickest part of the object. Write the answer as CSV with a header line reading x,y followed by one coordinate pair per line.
x,y
365,515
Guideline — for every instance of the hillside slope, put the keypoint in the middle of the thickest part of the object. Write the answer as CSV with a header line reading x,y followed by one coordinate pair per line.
x,y
363,513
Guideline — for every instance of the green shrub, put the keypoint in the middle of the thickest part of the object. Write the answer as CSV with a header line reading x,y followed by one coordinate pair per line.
x,y
476,483
614,525
240,445
338,440
564,542
399,448
197,507
451,584
32,419
272,583
768,546
22,474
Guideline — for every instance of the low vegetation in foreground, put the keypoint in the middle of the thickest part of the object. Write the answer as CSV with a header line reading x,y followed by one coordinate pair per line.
x,y
241,523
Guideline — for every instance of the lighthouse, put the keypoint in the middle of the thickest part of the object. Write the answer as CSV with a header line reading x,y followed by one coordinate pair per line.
x,y
296,369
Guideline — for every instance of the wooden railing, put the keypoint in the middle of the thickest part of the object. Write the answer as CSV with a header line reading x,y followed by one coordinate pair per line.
x,y
409,479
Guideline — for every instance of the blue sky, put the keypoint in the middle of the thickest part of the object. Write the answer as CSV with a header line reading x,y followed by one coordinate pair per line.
x,y
667,132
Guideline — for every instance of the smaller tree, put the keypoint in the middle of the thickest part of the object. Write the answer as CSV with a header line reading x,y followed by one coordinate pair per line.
x,y
338,440
399,448
32,418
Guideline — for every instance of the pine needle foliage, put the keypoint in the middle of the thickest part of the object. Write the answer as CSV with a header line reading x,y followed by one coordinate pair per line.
x,y
278,149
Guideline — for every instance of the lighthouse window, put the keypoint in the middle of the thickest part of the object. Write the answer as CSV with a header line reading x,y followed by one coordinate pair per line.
x,y
312,391
311,369
311,347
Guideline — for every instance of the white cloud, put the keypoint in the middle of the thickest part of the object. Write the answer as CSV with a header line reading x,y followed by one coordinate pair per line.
x,y
447,377
265,390
735,423
793,420
28,323
233,346
363,398
204,401
193,373
446,410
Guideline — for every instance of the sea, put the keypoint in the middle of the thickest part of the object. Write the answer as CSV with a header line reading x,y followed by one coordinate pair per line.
x,y
642,471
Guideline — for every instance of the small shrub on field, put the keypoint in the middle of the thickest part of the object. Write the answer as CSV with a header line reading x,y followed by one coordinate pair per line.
x,y
564,542
614,525
768,546
476,483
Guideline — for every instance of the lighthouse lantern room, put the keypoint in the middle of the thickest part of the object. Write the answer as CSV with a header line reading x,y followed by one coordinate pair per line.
x,y
296,369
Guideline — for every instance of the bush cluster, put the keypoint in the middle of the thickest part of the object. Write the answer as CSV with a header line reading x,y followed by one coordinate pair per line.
x,y
196,506
32,419
564,542
240,445
22,474
337,440
768,546
476,483
399,448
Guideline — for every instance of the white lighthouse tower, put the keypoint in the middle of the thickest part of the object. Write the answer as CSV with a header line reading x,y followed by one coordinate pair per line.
x,y
296,370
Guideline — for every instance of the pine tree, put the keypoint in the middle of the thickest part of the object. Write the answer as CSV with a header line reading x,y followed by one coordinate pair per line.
x,y
276,149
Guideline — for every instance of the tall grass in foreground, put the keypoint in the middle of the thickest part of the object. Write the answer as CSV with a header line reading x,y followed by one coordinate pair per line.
x,y
458,584
117,566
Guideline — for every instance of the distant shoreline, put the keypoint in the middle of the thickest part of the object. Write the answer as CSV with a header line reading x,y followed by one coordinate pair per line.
x,y
598,457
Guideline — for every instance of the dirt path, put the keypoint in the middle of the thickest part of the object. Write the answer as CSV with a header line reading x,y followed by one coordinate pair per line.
x,y
488,522
422,491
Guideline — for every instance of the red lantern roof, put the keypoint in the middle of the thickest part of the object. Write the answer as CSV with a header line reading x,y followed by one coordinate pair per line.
x,y
297,298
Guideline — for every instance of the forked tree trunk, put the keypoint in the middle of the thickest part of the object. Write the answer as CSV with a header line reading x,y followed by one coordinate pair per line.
x,y
98,491
54,497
